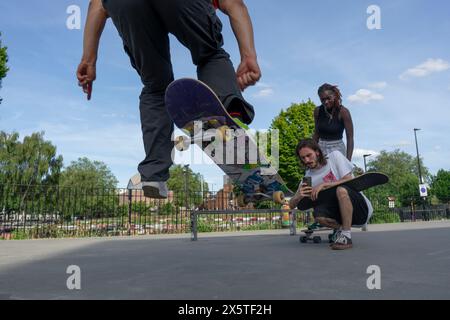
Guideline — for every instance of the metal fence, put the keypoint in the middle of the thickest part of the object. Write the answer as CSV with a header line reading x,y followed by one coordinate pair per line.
x,y
30,212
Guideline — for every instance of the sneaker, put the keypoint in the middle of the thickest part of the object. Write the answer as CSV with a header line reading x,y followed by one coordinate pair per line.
x,y
155,189
342,242
333,236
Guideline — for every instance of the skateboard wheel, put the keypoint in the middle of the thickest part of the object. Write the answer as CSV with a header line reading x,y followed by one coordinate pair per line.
x,y
181,143
303,239
317,239
223,133
278,197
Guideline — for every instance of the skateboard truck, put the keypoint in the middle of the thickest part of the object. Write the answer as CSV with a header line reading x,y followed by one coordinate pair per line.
x,y
316,239
203,131
222,133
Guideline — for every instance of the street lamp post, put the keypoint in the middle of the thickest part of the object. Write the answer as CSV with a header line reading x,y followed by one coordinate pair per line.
x,y
365,164
418,158
365,228
420,172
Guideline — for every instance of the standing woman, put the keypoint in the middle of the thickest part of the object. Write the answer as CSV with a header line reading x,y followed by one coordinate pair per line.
x,y
331,119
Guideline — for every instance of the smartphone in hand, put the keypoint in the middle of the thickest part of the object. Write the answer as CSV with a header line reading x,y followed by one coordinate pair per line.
x,y
307,181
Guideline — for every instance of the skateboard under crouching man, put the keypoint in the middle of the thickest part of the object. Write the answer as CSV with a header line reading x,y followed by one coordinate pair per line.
x,y
198,112
360,183
309,235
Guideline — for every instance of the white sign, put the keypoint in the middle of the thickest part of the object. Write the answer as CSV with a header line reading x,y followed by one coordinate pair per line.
x,y
423,190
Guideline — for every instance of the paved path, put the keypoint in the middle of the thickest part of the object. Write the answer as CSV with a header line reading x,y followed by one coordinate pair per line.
x,y
414,259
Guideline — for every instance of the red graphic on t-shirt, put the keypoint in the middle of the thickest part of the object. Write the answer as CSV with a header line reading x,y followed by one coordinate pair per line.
x,y
329,177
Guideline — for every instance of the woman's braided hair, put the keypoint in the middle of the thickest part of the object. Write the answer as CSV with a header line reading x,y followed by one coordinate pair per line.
x,y
328,87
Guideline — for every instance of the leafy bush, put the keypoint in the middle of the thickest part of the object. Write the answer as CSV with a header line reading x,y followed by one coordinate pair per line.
x,y
19,235
167,209
204,226
260,226
384,216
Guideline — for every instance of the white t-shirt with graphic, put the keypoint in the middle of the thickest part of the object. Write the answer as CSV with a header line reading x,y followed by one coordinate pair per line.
x,y
336,168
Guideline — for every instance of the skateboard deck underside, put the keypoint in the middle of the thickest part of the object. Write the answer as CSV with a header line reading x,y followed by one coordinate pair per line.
x,y
361,183
189,101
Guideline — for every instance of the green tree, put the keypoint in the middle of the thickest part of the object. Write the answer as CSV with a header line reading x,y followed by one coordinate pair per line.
x,y
31,162
398,162
183,179
3,60
294,124
89,190
440,185
26,166
403,177
9,147
87,174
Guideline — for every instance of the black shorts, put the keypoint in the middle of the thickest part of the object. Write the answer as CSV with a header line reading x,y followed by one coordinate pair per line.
x,y
330,208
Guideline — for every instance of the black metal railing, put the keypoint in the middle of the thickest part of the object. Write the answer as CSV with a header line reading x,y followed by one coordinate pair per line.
x,y
50,212
29,212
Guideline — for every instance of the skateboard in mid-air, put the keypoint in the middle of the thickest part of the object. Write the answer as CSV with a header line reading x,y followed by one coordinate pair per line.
x,y
360,183
198,112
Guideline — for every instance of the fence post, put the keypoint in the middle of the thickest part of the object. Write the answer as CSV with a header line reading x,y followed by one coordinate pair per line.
x,y
193,225
293,229
130,197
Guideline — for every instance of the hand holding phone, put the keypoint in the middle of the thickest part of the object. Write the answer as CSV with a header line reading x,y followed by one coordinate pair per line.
x,y
305,188
307,181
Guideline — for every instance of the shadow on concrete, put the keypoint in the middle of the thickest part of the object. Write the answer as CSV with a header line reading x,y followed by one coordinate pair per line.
x,y
414,265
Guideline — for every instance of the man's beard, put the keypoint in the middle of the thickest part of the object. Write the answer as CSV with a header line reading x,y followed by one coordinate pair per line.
x,y
313,165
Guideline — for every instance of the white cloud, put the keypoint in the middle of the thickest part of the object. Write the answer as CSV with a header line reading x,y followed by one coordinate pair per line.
x,y
365,96
264,91
267,92
113,142
378,85
13,117
359,153
426,68
77,119
400,144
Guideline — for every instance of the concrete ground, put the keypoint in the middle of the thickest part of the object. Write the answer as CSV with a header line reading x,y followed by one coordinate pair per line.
x,y
414,262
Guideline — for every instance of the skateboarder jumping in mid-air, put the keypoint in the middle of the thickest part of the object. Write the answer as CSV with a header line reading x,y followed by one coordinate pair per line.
x,y
144,26
343,208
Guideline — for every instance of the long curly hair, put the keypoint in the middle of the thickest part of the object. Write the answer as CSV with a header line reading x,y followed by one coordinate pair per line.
x,y
310,143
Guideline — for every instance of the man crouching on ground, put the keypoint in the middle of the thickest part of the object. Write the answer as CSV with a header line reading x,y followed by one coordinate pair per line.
x,y
342,209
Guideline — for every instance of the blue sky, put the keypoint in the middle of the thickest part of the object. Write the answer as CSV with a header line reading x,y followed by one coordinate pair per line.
x,y
393,80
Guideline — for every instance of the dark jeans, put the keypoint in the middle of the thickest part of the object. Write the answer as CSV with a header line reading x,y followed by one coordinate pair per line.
x,y
144,26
